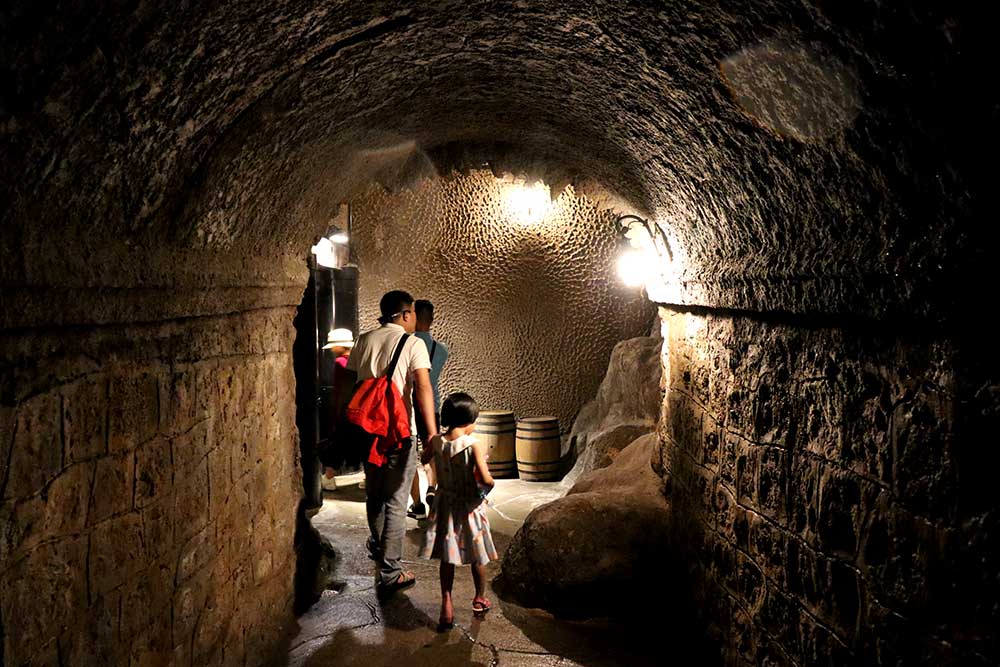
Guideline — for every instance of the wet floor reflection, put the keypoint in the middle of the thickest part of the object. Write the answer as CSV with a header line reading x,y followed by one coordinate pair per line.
x,y
349,626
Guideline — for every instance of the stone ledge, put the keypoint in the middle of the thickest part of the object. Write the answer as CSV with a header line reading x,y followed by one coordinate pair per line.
x,y
27,308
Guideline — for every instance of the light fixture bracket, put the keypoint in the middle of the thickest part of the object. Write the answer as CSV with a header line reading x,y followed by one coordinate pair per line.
x,y
653,229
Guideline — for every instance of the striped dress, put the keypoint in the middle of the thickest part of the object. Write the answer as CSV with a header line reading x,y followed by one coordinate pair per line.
x,y
459,532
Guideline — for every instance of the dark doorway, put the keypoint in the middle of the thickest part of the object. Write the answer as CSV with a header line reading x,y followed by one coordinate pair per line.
x,y
330,301
337,308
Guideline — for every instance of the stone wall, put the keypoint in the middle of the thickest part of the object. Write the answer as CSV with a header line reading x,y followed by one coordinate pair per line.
x,y
831,489
159,163
529,310
149,480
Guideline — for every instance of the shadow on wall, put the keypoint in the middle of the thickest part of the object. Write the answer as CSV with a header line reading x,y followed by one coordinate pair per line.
x,y
313,554
314,561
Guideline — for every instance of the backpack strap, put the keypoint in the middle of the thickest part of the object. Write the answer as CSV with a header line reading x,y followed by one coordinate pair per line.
x,y
434,348
395,357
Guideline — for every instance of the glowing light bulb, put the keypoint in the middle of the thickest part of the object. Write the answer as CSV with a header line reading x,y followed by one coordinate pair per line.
x,y
339,238
638,268
325,255
529,204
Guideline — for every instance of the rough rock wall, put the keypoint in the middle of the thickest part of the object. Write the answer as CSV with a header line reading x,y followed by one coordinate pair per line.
x,y
530,311
149,480
834,489
153,150
803,156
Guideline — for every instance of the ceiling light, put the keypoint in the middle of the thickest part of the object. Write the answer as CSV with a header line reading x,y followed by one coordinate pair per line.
x,y
528,204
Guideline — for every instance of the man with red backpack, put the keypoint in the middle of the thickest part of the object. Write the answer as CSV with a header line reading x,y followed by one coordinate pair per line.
x,y
393,372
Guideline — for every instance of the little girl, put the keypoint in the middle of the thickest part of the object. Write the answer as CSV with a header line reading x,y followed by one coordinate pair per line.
x,y
459,531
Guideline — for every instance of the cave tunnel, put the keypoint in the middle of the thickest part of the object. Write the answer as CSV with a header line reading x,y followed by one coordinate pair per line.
x,y
804,183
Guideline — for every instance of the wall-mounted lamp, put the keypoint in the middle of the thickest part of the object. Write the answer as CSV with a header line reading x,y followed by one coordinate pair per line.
x,y
634,226
636,267
333,249
326,254
644,265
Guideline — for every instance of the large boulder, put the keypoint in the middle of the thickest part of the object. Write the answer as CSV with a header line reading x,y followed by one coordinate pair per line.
x,y
584,554
627,405
602,450
631,473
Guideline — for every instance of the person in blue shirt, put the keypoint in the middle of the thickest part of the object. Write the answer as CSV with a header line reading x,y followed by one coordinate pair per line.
x,y
438,353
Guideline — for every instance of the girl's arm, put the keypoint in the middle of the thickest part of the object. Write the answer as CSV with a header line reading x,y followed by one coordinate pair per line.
x,y
479,451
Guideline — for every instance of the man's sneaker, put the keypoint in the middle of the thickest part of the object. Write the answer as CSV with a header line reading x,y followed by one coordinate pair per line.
x,y
417,511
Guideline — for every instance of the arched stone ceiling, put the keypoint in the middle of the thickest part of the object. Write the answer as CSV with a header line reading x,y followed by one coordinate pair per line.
x,y
802,156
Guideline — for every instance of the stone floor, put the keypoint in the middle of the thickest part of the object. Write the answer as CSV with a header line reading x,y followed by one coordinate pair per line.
x,y
348,626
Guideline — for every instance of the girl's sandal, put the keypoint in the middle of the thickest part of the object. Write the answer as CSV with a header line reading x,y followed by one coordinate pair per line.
x,y
444,626
481,605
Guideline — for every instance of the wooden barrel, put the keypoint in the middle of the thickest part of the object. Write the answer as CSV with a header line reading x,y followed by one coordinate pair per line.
x,y
538,448
495,428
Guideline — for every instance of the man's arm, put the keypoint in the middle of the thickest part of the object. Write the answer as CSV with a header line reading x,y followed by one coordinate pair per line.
x,y
423,398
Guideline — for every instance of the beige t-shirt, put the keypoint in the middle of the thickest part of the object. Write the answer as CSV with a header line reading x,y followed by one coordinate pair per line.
x,y
372,355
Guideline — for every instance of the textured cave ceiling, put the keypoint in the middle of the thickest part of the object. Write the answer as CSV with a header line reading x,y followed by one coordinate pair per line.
x,y
802,155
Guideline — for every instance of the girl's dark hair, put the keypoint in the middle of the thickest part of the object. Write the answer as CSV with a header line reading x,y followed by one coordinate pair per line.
x,y
459,409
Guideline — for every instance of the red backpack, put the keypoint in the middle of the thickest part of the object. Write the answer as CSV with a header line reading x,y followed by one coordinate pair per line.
x,y
380,422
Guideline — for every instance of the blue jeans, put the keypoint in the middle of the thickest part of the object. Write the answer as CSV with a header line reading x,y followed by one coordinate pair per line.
x,y
388,489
